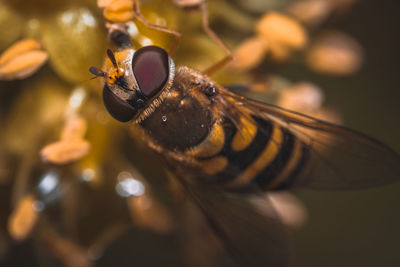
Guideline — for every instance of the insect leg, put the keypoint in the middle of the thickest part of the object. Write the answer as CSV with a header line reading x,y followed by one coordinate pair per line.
x,y
216,66
177,35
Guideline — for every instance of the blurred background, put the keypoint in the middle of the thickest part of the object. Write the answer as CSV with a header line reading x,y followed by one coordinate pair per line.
x,y
363,224
74,188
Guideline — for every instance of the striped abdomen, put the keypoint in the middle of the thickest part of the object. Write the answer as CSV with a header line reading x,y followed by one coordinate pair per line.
x,y
261,153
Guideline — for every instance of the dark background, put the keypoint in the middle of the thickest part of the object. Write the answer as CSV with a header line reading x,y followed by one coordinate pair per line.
x,y
359,228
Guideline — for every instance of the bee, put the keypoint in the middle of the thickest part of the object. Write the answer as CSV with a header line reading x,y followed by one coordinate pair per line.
x,y
225,148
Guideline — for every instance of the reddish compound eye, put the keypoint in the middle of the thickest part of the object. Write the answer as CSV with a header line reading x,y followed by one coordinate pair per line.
x,y
151,69
118,109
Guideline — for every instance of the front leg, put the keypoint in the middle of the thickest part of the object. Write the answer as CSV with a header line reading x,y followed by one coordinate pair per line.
x,y
177,35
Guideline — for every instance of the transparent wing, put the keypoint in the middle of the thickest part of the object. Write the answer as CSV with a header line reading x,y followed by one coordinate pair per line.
x,y
252,238
339,158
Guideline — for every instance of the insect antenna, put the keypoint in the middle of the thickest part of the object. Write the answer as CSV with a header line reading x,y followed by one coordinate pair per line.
x,y
111,56
97,72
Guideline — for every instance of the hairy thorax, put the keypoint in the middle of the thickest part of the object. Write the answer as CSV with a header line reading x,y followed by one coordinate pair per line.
x,y
185,116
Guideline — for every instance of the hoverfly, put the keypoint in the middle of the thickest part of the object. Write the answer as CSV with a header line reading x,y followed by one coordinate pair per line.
x,y
225,148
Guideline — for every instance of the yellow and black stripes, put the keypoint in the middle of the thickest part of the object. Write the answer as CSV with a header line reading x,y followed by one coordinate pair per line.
x,y
260,153
290,160
237,161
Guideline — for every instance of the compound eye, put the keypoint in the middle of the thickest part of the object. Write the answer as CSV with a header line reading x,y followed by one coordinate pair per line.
x,y
118,109
151,69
